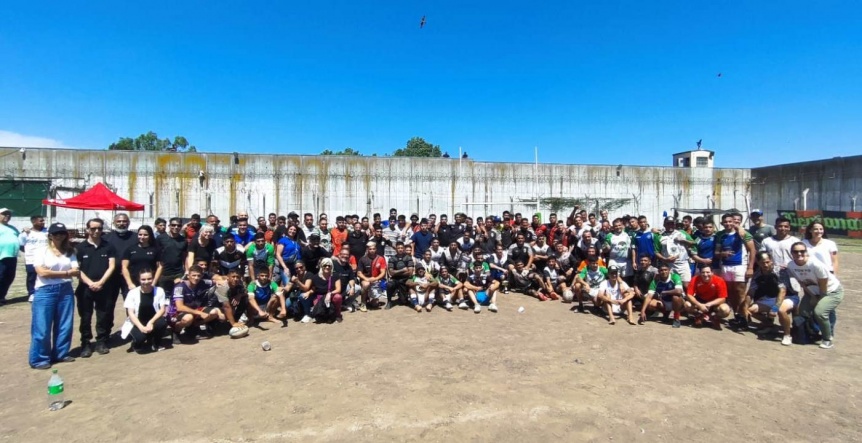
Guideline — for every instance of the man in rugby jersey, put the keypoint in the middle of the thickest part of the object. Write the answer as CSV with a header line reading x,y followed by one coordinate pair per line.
x,y
618,247
731,247
665,295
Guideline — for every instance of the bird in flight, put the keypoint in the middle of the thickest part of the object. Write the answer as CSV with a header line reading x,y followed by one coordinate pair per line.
x,y
422,22
719,74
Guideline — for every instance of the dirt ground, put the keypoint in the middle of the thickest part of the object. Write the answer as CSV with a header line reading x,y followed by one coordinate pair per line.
x,y
546,374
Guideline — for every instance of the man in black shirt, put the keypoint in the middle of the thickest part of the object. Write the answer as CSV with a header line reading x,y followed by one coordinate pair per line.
x,y
342,270
229,257
312,254
96,290
400,270
121,238
356,240
174,248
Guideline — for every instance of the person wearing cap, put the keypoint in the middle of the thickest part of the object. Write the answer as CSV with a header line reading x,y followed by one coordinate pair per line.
x,y
588,281
33,241
758,228
665,295
9,248
706,298
615,295
53,309
673,250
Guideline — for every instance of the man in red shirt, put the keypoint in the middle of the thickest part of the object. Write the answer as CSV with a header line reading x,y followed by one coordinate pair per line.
x,y
706,298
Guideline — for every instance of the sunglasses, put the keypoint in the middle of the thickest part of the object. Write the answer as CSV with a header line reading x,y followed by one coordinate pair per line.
x,y
175,226
799,251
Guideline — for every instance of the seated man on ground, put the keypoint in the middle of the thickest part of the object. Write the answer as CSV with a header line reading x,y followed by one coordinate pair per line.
x,y
266,300
615,295
768,297
665,295
554,282
422,287
233,296
706,298
448,289
193,305
480,281
588,281
522,279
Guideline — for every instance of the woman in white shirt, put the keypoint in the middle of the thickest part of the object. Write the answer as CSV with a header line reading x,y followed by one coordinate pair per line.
x,y
820,247
145,306
53,308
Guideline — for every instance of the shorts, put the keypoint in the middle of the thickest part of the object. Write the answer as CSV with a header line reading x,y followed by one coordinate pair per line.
x,y
685,272
179,315
733,274
594,293
764,305
667,305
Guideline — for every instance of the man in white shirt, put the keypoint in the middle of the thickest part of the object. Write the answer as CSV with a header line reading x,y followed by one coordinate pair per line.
x,y
33,241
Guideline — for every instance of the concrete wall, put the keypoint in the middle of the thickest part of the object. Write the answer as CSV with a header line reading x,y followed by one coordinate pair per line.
x,y
169,183
831,185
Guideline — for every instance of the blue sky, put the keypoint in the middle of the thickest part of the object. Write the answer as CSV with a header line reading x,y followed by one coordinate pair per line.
x,y
602,82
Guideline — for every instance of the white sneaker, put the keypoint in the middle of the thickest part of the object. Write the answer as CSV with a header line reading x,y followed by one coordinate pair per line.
x,y
787,340
243,318
30,299
826,344
448,306
306,319
477,309
492,307
463,305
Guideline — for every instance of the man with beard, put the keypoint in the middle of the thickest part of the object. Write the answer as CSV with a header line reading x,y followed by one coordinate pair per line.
x,y
121,238
400,270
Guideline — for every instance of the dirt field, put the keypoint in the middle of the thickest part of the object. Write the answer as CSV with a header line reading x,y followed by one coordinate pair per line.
x,y
544,375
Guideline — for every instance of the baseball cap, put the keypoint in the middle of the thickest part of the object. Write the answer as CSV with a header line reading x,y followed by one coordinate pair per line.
x,y
313,237
5,210
613,269
56,228
669,220
756,212
293,215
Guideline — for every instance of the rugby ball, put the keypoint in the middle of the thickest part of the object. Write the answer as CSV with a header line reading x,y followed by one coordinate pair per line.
x,y
568,296
238,331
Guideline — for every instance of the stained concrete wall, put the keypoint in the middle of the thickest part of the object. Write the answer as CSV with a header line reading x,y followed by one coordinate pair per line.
x,y
170,183
832,184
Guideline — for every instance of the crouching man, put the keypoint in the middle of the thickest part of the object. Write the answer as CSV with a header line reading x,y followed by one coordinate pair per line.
x,y
193,306
706,298
665,295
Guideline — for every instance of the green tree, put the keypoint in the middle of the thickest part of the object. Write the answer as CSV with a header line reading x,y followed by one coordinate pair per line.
x,y
345,151
418,147
151,142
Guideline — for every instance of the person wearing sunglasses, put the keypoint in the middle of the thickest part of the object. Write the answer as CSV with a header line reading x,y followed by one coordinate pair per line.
x,y
822,290
53,308
96,292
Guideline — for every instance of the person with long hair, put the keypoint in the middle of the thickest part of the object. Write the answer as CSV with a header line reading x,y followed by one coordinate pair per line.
x,y
202,247
146,306
144,255
820,247
327,290
53,307
288,251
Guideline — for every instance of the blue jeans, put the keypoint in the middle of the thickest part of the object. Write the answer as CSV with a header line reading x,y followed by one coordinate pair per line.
x,y
31,279
8,266
53,316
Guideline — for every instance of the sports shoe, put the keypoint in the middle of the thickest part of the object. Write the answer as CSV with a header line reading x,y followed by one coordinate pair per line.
x,y
448,306
542,297
676,324
826,344
175,339
716,322
787,340
86,350
492,307
363,308
243,318
554,296
305,319
477,309
388,305
463,305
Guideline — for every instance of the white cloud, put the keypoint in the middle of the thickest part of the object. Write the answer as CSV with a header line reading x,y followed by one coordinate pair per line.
x,y
15,140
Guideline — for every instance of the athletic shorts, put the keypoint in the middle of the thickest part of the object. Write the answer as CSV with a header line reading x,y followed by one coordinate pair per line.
x,y
179,315
685,272
594,293
733,274
764,305
667,305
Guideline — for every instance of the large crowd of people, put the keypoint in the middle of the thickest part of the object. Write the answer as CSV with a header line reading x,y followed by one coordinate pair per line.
x,y
182,280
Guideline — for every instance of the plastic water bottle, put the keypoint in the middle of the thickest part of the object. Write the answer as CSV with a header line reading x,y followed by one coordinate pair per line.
x,y
55,392
266,346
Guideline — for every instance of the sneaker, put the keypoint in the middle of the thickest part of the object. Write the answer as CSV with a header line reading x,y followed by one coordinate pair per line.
x,y
492,307
542,297
554,296
787,340
86,350
448,306
102,348
243,318
463,305
676,324
716,322
388,305
363,308
175,339
477,309
305,319
826,344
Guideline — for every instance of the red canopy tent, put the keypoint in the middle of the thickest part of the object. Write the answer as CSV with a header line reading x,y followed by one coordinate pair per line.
x,y
97,197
